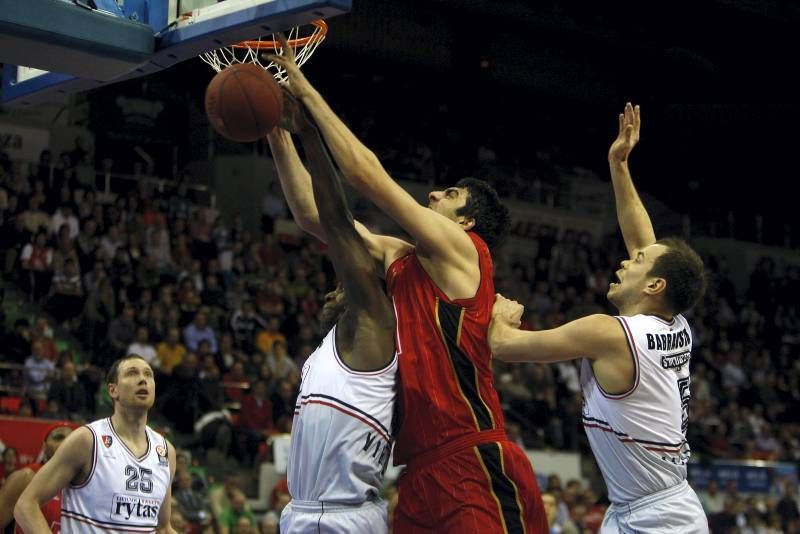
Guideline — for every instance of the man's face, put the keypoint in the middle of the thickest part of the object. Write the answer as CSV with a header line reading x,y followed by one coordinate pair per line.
x,y
448,201
333,307
632,276
135,387
54,440
550,508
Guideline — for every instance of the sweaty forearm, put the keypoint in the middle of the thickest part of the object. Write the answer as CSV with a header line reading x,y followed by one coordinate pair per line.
x,y
295,181
328,194
29,516
353,158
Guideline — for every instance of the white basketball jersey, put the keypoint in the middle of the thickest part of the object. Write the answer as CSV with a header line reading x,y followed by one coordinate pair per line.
x,y
342,429
639,437
123,493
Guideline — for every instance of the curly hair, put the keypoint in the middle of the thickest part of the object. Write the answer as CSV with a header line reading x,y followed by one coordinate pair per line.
x,y
492,218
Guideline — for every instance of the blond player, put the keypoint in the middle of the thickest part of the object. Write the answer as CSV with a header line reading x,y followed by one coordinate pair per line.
x,y
115,473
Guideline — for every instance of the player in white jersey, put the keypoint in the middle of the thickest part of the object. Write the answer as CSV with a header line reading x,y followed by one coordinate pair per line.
x,y
635,372
342,428
115,473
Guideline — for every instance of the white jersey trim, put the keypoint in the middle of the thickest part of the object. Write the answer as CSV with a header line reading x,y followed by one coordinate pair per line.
x,y
345,408
352,371
94,461
636,364
115,527
130,452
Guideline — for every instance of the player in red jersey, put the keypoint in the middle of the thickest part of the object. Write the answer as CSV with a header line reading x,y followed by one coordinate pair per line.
x,y
19,480
463,475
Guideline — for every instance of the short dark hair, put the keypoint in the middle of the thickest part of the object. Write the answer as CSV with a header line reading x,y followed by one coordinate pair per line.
x,y
113,372
684,272
492,218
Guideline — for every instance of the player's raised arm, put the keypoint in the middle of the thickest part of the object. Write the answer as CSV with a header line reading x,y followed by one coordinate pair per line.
x,y
296,184
435,234
295,181
637,230
73,458
367,304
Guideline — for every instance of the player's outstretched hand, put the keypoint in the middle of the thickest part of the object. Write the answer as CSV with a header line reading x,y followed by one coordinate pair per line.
x,y
298,85
295,117
507,312
629,124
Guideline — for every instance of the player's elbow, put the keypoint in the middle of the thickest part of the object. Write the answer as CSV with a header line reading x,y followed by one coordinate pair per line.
x,y
20,509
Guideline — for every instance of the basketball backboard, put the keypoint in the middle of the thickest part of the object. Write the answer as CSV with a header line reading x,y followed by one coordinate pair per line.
x,y
180,29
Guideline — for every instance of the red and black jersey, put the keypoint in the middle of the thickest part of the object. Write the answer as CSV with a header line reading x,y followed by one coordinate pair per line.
x,y
444,357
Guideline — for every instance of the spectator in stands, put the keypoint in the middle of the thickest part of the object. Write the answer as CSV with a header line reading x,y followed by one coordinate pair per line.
x,y
17,345
269,523
39,372
280,496
271,333
255,422
244,324
279,361
65,216
557,525
199,330
86,245
283,402
35,219
110,242
44,333
712,500
157,243
69,392
230,515
788,508
67,299
121,333
144,348
36,261
9,465
192,504
234,381
171,351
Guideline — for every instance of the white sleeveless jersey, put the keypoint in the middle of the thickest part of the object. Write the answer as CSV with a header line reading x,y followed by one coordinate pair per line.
x,y
123,493
639,437
342,429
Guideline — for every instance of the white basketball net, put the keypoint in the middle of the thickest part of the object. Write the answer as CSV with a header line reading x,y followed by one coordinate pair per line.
x,y
256,51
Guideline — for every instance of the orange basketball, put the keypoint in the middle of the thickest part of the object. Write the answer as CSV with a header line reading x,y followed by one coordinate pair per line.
x,y
243,102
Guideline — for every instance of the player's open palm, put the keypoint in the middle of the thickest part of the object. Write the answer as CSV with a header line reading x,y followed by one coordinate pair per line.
x,y
298,84
628,135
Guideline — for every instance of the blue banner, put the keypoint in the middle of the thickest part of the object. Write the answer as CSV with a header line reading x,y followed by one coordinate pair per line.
x,y
750,477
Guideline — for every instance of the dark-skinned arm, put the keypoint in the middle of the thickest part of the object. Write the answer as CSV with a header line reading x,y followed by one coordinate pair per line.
x,y
369,319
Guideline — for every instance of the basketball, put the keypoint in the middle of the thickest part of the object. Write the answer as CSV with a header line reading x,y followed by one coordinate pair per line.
x,y
243,102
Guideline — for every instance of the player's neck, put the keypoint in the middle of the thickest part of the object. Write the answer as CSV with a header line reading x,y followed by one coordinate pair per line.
x,y
129,424
646,308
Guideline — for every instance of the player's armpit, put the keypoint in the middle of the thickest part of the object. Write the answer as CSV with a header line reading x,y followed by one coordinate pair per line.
x,y
595,337
384,249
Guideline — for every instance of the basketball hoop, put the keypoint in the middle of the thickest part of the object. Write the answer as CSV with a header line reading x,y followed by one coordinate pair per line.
x,y
257,50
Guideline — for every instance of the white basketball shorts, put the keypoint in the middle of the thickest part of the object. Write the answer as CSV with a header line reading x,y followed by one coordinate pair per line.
x,y
670,511
304,517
